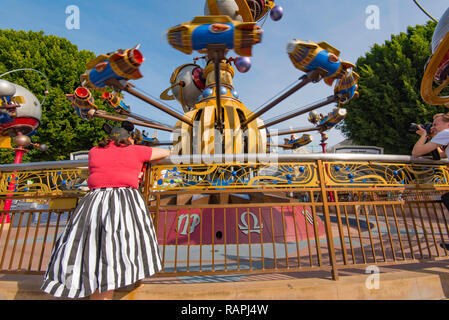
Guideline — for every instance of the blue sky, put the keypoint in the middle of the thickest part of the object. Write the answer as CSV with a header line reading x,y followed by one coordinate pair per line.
x,y
109,25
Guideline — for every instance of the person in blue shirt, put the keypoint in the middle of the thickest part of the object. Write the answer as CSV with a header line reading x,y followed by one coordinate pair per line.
x,y
439,140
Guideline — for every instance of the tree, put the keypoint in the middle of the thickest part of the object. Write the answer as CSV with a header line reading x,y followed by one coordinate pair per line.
x,y
61,61
389,87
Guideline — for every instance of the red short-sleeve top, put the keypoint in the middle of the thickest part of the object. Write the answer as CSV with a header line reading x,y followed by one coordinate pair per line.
x,y
115,166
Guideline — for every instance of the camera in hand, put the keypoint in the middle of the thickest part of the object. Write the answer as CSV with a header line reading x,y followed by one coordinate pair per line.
x,y
414,127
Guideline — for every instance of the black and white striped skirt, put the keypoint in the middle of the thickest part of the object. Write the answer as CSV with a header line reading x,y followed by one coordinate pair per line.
x,y
108,243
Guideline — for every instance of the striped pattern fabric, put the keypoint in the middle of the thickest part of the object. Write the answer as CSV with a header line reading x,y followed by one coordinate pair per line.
x,y
108,243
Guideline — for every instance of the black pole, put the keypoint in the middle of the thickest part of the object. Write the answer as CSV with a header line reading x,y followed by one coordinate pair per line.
x,y
114,83
282,133
217,87
329,100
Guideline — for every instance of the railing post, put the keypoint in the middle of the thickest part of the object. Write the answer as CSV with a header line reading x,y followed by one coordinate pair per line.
x,y
146,183
327,221
146,194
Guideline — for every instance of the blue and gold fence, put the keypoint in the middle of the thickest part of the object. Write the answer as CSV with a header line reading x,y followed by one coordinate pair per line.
x,y
249,213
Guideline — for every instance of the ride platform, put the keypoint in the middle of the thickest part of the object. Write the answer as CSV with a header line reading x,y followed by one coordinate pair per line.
x,y
408,281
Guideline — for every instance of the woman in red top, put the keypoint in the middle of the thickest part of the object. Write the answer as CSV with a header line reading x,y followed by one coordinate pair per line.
x,y
110,240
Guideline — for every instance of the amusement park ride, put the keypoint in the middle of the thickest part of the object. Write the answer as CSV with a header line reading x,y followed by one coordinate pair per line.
x,y
215,121
20,114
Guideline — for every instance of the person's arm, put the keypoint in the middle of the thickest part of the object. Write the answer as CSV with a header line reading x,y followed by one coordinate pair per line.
x,y
421,147
159,153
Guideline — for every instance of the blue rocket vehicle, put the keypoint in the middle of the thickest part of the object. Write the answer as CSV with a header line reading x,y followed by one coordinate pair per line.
x,y
116,102
332,119
346,87
294,142
308,56
204,31
143,139
119,65
83,102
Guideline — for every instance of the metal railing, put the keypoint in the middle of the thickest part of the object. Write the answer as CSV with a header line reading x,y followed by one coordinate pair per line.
x,y
251,213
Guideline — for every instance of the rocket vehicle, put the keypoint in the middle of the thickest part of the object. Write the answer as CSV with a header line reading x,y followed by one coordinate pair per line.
x,y
120,65
204,31
313,117
143,139
294,142
332,119
346,87
116,102
308,56
82,101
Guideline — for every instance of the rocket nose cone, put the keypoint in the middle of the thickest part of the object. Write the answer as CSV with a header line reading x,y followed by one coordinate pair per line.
x,y
291,45
106,95
136,57
82,92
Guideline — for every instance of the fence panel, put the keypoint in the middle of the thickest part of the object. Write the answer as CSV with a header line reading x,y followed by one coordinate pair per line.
x,y
290,215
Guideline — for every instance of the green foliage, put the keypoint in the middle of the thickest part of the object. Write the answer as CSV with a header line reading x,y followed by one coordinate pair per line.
x,y
389,87
61,129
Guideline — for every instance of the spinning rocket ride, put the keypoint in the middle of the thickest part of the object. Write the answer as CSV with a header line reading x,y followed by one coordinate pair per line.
x,y
214,119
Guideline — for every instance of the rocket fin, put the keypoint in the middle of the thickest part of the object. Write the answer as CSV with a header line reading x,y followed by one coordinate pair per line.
x,y
307,44
326,46
347,65
92,63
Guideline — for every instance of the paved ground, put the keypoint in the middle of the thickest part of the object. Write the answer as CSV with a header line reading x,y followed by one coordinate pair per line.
x,y
415,281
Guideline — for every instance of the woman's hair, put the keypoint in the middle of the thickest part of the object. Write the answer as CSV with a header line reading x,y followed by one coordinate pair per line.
x,y
444,116
119,142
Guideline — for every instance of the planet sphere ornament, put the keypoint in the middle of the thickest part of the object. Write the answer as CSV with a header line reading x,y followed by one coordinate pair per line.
x,y
22,140
243,64
276,13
